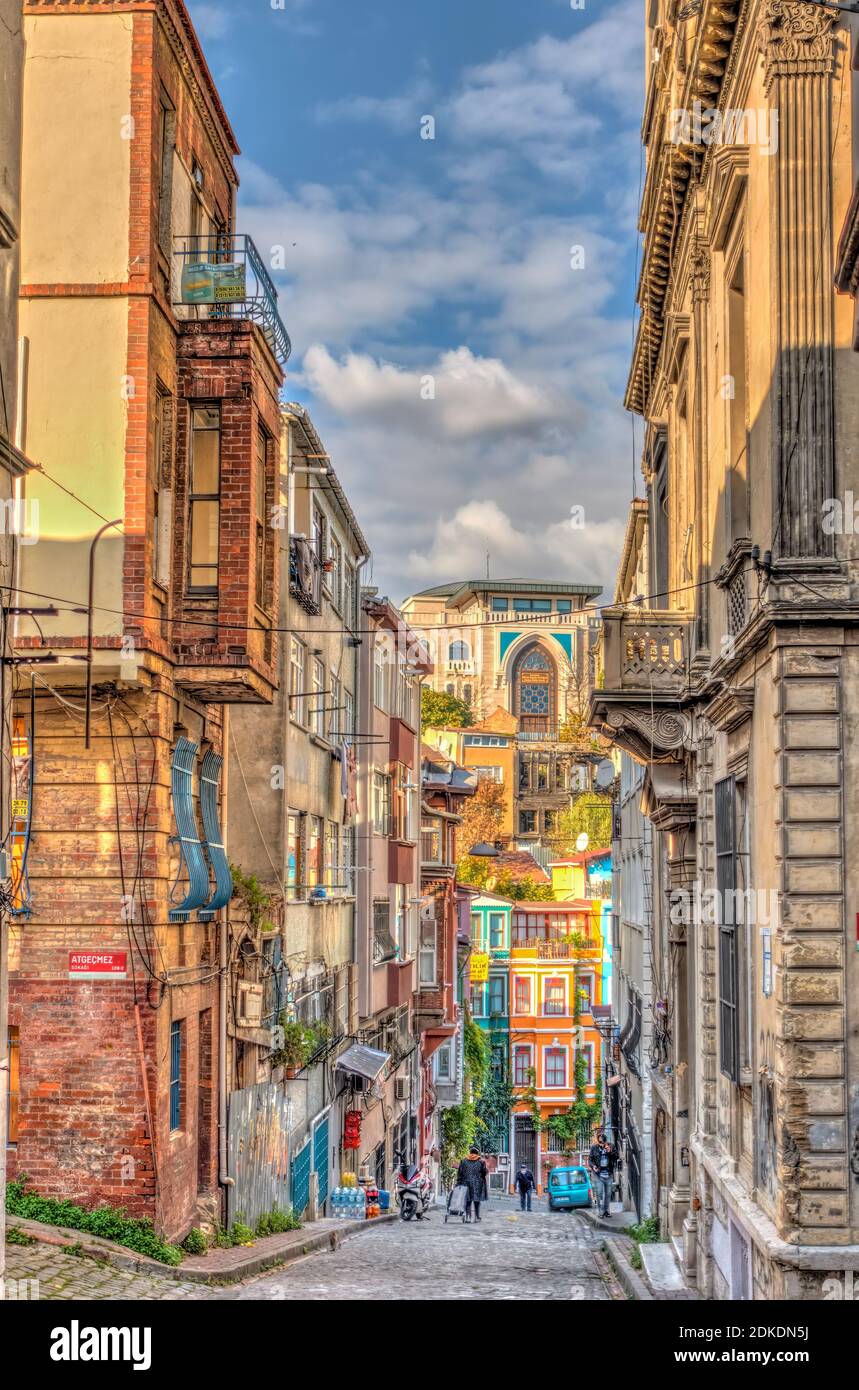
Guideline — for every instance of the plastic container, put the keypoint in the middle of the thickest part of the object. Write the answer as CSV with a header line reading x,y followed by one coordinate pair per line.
x,y
384,1201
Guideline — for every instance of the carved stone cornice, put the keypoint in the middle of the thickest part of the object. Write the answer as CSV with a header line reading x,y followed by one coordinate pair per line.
x,y
796,40
655,736
731,708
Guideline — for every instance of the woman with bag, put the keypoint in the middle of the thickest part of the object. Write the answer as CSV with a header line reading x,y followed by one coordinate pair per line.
x,y
474,1175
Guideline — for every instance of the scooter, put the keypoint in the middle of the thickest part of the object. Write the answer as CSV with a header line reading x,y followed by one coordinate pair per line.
x,y
414,1190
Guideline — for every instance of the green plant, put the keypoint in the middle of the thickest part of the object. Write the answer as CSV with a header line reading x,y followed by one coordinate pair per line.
x,y
279,1221
222,1238
15,1236
110,1223
240,1234
247,888
529,1097
475,1056
646,1233
459,1128
195,1242
297,1045
635,1257
76,1250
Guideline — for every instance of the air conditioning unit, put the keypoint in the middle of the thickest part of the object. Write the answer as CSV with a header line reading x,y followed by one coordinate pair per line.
x,y
249,1006
402,1088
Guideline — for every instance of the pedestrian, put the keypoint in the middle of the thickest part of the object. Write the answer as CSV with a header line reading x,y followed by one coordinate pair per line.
x,y
525,1184
603,1161
473,1174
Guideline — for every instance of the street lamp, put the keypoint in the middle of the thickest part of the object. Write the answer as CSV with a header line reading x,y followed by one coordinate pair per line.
x,y
484,851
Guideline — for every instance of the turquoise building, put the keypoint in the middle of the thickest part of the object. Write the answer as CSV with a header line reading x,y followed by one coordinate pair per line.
x,y
490,1009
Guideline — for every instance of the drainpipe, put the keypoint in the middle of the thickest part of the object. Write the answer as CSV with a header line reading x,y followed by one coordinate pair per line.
x,y
223,1175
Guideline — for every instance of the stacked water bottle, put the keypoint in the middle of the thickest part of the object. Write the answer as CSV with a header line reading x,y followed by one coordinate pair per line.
x,y
348,1202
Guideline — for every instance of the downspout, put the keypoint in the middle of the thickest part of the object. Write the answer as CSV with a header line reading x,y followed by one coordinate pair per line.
x,y
89,626
223,1175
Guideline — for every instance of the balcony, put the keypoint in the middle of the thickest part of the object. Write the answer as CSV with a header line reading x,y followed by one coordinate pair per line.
x,y
646,656
224,277
305,574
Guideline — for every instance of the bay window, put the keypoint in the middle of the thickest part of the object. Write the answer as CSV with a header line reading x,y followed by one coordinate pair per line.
x,y
205,498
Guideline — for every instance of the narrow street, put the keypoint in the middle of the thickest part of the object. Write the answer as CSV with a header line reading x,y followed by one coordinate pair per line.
x,y
541,1256
509,1255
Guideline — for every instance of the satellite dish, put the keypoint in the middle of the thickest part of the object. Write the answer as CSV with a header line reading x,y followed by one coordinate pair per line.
x,y
604,775
582,841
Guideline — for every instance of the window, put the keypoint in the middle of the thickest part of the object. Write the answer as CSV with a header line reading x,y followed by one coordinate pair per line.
x,y
587,1053
166,141
542,776
726,897
477,930
380,672
564,605
13,1084
404,828
499,605
347,850
404,695
427,967
348,712
400,922
532,605
294,882
585,993
431,842
384,945
296,680
550,821
497,997
163,495
320,536
521,1065
261,528
496,931
273,971
479,1000
554,997
560,776
442,1069
349,594
522,996
458,651
555,1066
205,497
317,698
175,1075
527,822
488,774
381,803
334,720
335,577
314,852
332,876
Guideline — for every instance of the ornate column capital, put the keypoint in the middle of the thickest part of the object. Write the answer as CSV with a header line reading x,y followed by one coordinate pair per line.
x,y
700,274
796,39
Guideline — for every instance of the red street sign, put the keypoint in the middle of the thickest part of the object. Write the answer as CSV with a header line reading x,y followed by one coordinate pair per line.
x,y
98,965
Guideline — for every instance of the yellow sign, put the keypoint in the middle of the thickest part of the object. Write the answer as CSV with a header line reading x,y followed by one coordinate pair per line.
x,y
479,968
19,807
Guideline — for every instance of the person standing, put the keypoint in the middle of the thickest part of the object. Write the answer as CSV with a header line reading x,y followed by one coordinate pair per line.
x,y
603,1161
525,1185
474,1175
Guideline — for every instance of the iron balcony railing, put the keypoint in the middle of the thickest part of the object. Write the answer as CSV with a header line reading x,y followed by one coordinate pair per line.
x,y
305,574
225,276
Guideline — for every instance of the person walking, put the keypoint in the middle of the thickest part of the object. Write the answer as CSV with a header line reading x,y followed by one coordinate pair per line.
x,y
603,1161
473,1174
525,1186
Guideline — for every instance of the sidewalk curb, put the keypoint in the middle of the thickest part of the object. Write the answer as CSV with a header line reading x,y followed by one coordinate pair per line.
x,y
193,1270
618,1250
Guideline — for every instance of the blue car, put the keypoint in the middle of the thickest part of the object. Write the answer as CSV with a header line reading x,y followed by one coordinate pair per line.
x,y
569,1188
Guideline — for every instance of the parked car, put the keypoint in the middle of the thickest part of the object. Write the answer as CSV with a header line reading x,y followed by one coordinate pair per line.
x,y
568,1188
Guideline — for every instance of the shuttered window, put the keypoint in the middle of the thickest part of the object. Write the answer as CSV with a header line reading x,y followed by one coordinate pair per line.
x,y
726,885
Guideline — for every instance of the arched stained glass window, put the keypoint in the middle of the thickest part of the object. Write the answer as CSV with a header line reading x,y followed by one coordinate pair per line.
x,y
534,690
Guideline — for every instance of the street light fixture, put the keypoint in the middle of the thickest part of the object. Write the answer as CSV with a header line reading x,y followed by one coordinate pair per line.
x,y
484,851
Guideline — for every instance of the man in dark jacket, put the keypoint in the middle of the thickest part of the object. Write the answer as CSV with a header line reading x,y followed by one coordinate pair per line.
x,y
525,1185
473,1174
603,1161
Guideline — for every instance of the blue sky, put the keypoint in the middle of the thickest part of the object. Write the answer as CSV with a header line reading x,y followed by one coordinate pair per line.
x,y
451,259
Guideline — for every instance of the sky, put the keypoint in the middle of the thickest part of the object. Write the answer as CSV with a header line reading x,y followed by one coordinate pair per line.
x,y
460,307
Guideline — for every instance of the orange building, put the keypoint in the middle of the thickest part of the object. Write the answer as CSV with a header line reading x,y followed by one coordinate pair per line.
x,y
556,955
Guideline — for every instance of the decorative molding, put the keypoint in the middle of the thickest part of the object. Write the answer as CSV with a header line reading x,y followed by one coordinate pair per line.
x,y
700,273
796,40
651,737
731,708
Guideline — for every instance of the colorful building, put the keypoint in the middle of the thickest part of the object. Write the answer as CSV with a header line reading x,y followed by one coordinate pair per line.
x,y
490,936
555,980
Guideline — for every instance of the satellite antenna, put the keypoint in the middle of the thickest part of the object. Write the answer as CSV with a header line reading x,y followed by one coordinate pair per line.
x,y
604,775
582,842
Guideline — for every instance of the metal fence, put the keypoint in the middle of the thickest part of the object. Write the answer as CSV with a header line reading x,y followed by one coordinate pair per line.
x,y
257,1152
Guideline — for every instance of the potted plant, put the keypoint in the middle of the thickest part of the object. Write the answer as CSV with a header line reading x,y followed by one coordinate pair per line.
x,y
295,1048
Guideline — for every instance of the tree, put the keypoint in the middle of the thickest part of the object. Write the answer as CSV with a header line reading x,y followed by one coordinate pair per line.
x,y
442,711
483,817
589,811
575,730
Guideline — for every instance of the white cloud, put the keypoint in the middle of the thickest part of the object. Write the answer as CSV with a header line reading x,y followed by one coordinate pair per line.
x,y
460,396
211,21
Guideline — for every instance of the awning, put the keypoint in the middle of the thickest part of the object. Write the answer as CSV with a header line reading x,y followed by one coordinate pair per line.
x,y
359,1060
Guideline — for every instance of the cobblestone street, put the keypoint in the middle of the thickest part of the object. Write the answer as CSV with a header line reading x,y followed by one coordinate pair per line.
x,y
509,1255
